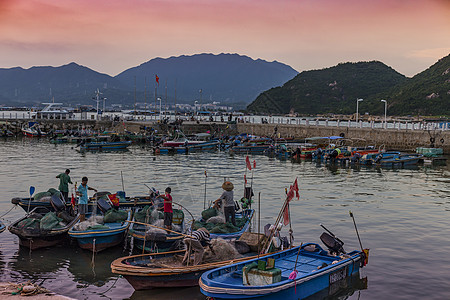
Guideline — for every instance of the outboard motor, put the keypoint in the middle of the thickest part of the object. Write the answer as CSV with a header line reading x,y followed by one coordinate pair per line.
x,y
57,203
103,205
334,244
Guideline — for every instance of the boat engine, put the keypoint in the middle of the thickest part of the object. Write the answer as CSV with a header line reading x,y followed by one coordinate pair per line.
x,y
333,243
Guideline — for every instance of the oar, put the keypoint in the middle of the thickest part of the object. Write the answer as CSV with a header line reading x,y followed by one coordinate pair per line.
x,y
32,189
357,234
185,235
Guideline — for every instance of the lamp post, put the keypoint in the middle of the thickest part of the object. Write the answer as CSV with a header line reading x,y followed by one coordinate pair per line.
x,y
357,114
385,112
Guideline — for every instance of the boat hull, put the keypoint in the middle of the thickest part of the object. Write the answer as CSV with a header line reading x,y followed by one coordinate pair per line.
x,y
312,277
181,280
99,243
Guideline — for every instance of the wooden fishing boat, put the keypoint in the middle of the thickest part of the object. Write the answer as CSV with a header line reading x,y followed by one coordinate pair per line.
x,y
138,272
2,227
31,232
97,239
104,146
297,273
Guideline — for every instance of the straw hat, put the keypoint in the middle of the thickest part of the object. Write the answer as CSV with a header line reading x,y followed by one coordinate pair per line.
x,y
227,186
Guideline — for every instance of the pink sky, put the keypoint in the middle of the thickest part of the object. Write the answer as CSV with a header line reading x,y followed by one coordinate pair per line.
x,y
110,36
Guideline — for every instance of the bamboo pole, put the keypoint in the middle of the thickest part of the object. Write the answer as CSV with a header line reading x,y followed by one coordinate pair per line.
x,y
185,235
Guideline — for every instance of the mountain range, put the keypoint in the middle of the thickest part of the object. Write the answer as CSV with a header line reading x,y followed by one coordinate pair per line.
x,y
335,90
231,79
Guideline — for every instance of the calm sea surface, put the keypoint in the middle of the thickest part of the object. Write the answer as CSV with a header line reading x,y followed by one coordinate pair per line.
x,y
402,214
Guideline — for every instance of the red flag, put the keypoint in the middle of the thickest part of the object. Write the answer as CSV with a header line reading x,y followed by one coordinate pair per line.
x,y
114,199
295,188
247,161
72,201
254,164
245,179
157,79
290,194
286,215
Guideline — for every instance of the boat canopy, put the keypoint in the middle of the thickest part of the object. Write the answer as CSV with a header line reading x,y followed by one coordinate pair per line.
x,y
333,137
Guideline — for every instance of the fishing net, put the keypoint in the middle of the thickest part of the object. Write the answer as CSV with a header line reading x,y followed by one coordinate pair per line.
x,y
38,196
29,223
148,215
50,221
97,227
208,213
216,220
115,216
220,227
53,191
222,250
156,234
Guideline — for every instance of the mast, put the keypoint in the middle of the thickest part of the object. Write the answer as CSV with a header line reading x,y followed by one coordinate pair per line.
x,y
175,99
135,96
145,97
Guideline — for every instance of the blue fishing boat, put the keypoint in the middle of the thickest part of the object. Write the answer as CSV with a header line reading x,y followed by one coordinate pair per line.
x,y
104,146
2,227
398,160
98,237
297,273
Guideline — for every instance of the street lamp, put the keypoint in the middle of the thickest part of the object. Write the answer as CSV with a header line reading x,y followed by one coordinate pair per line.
x,y
385,112
357,114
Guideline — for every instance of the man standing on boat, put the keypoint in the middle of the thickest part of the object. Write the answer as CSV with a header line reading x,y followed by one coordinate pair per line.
x,y
83,200
227,201
64,180
168,211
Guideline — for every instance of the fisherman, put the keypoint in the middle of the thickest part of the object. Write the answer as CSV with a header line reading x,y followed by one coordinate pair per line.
x,y
168,211
194,243
64,180
83,200
335,153
226,200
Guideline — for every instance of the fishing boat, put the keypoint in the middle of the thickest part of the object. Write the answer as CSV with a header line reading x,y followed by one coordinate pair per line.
x,y
104,146
44,228
98,237
32,129
2,227
148,234
180,140
295,273
400,160
28,203
165,269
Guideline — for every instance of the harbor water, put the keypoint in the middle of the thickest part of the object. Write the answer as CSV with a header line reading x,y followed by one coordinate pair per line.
x,y
402,214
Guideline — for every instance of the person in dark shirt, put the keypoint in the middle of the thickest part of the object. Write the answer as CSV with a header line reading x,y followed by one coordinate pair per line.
x,y
64,180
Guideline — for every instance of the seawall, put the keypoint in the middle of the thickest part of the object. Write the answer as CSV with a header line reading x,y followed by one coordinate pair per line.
x,y
391,138
398,139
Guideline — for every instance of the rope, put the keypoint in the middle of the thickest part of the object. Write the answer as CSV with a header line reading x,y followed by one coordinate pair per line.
x,y
93,258
102,293
8,211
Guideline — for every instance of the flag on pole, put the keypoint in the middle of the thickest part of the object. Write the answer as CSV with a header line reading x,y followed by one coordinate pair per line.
x,y
254,164
157,79
247,161
295,188
286,215
245,179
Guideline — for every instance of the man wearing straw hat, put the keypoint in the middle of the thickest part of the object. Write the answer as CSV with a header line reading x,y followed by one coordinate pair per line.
x,y
227,202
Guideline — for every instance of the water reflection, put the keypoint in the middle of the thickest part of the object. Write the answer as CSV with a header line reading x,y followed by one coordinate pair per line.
x,y
342,289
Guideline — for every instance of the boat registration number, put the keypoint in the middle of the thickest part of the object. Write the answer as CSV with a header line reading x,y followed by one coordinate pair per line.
x,y
338,275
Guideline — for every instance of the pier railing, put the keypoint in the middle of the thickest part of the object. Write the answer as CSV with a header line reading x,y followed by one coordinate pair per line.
x,y
374,124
